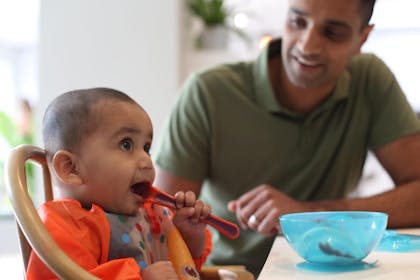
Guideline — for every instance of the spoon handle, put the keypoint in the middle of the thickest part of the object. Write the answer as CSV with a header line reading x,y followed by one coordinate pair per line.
x,y
227,228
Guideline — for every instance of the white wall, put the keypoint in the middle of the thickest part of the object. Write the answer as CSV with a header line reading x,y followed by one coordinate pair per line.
x,y
396,39
129,45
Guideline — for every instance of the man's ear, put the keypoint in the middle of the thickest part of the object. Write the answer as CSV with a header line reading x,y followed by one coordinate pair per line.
x,y
364,36
65,167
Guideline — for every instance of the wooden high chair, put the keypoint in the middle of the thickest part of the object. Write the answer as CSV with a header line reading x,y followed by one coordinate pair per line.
x,y
34,236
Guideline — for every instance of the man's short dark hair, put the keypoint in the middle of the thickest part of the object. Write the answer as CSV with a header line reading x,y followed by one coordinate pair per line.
x,y
367,11
68,118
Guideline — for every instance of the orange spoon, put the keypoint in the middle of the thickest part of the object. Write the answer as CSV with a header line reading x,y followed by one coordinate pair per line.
x,y
154,195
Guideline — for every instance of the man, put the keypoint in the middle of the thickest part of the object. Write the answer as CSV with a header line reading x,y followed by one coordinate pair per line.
x,y
290,131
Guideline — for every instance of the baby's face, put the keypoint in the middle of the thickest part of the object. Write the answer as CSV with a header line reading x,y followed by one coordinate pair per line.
x,y
115,156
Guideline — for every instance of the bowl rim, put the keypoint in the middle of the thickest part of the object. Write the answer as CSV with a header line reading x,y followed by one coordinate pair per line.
x,y
295,216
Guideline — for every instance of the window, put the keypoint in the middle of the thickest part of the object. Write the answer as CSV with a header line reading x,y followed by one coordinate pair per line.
x,y
18,79
396,39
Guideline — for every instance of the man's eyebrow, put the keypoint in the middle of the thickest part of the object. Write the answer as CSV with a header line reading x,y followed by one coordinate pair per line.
x,y
297,11
331,22
338,23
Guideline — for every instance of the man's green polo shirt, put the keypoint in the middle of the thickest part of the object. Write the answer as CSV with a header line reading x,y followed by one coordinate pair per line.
x,y
228,131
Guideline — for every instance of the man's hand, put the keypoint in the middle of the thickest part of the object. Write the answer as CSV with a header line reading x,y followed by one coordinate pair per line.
x,y
260,208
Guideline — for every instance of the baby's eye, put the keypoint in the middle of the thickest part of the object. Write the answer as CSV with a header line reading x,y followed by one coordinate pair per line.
x,y
147,148
126,144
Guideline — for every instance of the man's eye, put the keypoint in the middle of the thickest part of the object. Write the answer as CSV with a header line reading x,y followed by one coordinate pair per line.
x,y
297,22
126,144
334,34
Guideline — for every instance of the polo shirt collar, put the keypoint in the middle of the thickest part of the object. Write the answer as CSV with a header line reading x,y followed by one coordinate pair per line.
x,y
264,92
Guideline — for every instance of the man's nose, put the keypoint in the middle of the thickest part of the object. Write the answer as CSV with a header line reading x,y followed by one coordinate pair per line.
x,y
310,42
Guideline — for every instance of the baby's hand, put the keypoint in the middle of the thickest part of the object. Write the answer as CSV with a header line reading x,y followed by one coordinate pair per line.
x,y
159,270
188,207
188,219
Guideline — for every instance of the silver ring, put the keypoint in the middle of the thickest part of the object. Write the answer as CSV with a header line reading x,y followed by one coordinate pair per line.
x,y
253,220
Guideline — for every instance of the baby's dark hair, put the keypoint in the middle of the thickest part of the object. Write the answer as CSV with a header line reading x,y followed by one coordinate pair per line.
x,y
69,118
367,11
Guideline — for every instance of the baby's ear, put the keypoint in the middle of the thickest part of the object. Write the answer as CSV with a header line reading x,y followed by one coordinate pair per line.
x,y
65,167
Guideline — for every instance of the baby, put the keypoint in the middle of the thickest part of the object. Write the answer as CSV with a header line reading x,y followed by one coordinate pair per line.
x,y
97,143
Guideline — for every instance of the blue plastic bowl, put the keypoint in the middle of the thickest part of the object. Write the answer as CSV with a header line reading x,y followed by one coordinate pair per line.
x,y
334,237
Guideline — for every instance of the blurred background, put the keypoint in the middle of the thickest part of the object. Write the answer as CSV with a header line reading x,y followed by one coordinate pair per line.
x,y
147,49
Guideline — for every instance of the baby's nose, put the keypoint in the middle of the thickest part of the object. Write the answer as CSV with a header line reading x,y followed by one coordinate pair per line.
x,y
144,161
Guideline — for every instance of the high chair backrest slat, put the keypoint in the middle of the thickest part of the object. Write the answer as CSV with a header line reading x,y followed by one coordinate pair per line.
x,y
32,233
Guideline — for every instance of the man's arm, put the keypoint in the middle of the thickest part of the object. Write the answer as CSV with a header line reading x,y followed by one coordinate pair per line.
x,y
171,183
401,159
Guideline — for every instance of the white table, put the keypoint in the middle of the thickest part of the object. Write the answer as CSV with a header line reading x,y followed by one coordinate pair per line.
x,y
282,260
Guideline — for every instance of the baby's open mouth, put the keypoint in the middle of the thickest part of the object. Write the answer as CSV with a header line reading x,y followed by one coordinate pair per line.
x,y
149,193
142,189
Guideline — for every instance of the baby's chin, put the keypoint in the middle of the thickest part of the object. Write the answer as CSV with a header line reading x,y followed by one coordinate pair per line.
x,y
126,211
135,210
